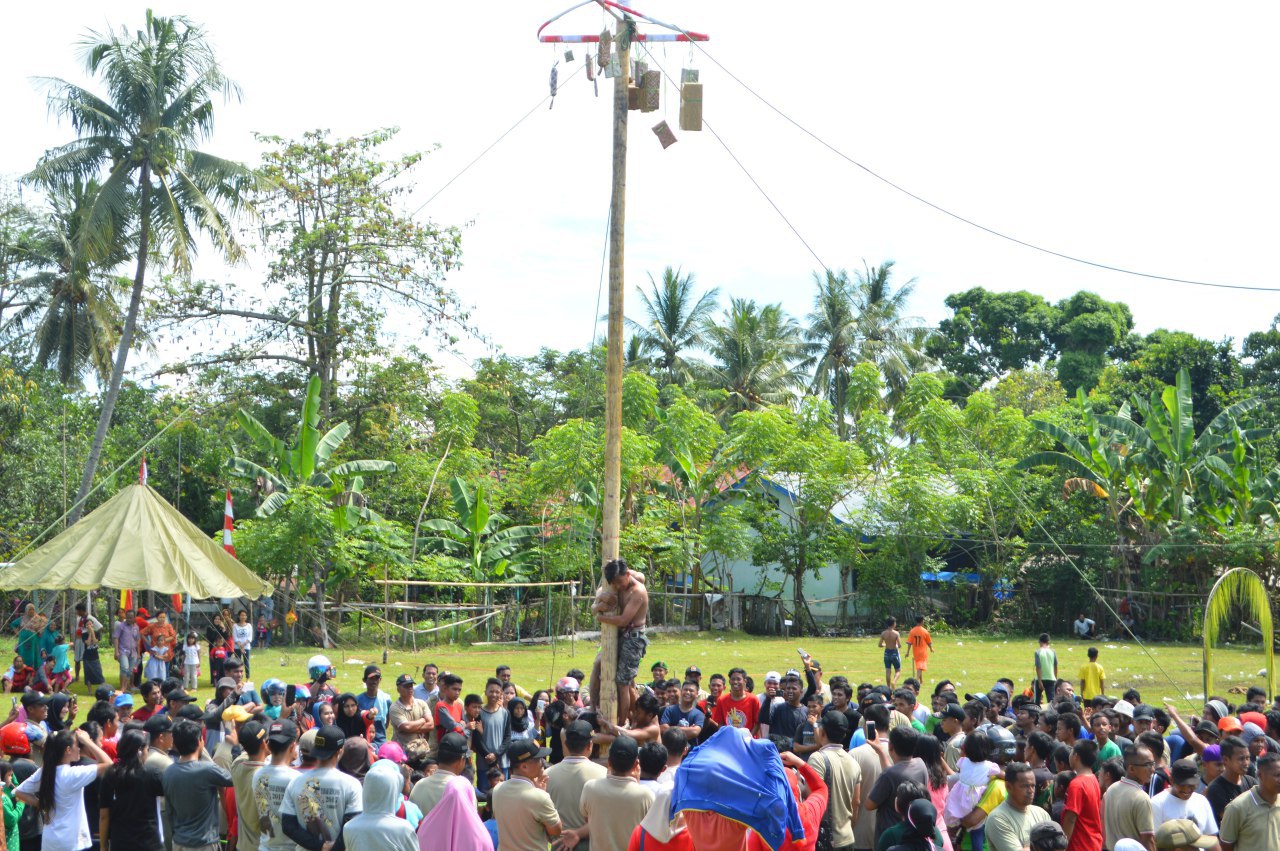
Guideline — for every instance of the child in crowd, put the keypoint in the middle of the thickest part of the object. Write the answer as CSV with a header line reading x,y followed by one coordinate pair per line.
x,y
974,771
12,806
59,663
191,662
264,632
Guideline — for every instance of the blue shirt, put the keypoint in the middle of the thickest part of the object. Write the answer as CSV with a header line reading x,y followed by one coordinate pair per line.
x,y
60,658
381,702
673,715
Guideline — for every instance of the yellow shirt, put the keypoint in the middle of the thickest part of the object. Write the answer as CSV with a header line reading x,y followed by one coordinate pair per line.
x,y
1091,677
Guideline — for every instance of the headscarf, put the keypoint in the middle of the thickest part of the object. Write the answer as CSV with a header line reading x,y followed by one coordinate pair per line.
x,y
453,824
521,723
355,759
53,718
353,726
922,820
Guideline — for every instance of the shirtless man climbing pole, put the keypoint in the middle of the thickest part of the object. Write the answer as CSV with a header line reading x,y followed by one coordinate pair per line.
x,y
633,607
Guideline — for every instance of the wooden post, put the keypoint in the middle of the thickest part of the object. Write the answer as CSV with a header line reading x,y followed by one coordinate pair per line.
x,y
613,363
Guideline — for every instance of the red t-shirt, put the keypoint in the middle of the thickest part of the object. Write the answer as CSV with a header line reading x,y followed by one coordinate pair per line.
x,y
742,713
143,713
1084,798
641,841
445,712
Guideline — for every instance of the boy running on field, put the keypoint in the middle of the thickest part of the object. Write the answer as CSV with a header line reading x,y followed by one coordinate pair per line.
x,y
891,640
921,644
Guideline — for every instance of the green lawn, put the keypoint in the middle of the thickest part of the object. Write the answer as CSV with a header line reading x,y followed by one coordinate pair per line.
x,y
973,661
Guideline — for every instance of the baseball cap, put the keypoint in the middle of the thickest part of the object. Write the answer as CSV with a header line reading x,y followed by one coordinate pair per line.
x,y
693,669
792,672
1048,836
578,734
282,731
1004,687
952,711
772,676
405,680
226,682
658,664
370,669
35,698
453,746
253,732
981,698
527,749
329,740
1124,707
1144,712
179,694
236,713
1230,724
1207,728
191,711
158,725
1181,832
567,684
393,752
124,700
307,744
1127,844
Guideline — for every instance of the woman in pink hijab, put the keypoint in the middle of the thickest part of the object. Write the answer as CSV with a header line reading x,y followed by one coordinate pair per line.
x,y
453,824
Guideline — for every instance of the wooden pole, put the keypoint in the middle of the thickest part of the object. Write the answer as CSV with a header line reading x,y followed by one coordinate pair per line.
x,y
613,362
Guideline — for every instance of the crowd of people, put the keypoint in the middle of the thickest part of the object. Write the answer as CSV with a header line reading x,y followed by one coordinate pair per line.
x,y
798,759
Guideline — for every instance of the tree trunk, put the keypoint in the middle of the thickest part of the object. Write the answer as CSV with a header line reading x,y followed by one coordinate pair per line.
x,y
122,350
323,622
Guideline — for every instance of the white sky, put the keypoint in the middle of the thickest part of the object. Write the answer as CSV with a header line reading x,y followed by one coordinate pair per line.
x,y
1137,134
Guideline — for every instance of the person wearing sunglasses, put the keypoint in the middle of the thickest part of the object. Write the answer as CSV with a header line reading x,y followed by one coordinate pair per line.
x,y
374,699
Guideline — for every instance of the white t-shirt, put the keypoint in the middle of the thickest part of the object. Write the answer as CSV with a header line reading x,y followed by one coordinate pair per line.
x,y
325,796
242,635
269,786
191,655
69,828
1083,627
1165,807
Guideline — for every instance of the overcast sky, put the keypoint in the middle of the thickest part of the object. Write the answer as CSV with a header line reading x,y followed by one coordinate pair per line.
x,y
1137,134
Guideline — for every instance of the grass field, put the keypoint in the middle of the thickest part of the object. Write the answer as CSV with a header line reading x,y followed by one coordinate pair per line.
x,y
973,661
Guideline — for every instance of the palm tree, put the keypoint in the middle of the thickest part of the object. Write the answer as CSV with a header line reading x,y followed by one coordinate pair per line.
x,y
831,341
674,320
160,83
886,337
72,315
754,350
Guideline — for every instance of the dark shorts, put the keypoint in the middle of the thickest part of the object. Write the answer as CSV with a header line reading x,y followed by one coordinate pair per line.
x,y
631,647
892,659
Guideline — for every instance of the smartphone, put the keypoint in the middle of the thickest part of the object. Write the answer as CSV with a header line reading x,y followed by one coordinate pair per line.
x,y
290,694
871,730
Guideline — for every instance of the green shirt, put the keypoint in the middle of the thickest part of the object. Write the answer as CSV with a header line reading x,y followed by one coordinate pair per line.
x,y
1108,751
1046,663
12,812
894,835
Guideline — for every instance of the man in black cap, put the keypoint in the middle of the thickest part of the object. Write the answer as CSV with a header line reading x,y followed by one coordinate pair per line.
x,y
272,782
320,801
160,730
526,816
452,759
843,777
192,788
566,778
409,718
253,739
374,699
951,720
37,706
614,805
178,699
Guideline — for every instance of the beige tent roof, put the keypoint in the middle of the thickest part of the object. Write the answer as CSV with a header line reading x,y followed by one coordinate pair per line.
x,y
135,541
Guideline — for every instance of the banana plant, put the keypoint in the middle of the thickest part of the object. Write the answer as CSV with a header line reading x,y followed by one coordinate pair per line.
x,y
306,462
477,535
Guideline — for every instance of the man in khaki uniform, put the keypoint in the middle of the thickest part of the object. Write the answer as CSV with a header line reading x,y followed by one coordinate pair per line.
x,y
409,719
615,805
566,779
842,775
1126,807
428,791
1252,820
527,819
868,760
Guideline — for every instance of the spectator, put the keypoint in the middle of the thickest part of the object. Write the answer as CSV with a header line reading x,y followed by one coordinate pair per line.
x,y
1233,781
127,798
1182,801
566,780
1082,812
376,703
1008,828
192,790
1252,819
271,782
614,805
377,828
841,775
318,803
898,764
526,817
1126,807
56,790
409,717
452,758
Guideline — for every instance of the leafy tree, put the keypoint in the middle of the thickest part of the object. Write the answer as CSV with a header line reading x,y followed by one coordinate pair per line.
x,y
673,323
831,342
477,535
1215,373
342,254
894,342
159,187
1087,334
992,333
754,350
309,463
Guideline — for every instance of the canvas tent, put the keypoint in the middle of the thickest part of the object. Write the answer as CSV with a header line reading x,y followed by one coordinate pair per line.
x,y
135,540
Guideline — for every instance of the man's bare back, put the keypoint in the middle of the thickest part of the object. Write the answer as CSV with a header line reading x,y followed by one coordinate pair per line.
x,y
633,604
890,639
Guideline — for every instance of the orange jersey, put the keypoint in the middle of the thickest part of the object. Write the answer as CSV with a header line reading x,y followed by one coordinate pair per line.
x,y
919,639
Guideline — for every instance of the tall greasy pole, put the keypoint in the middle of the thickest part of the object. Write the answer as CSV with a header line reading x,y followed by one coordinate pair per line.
x,y
613,364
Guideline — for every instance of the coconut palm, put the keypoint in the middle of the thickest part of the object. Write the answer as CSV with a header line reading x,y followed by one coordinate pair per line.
x,y
754,350
159,188
831,341
673,322
72,314
886,336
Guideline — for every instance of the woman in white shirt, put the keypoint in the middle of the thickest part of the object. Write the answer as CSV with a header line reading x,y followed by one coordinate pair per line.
x,y
242,635
59,793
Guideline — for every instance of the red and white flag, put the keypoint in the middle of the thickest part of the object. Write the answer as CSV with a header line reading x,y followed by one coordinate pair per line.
x,y
228,521
142,470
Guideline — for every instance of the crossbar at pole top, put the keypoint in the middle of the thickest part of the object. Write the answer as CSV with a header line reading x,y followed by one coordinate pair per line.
x,y
677,34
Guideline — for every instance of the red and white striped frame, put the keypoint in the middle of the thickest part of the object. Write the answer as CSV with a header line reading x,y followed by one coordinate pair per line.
x,y
677,33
